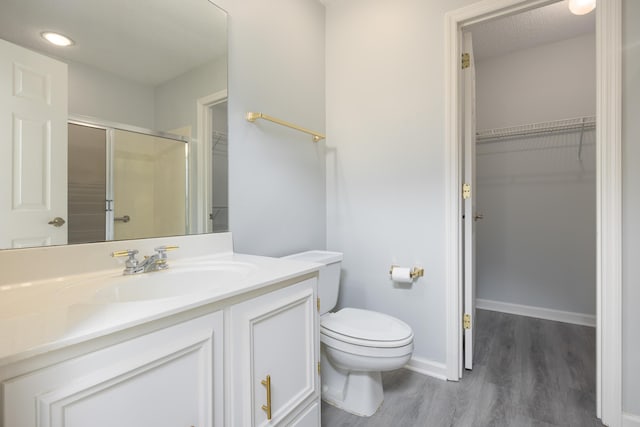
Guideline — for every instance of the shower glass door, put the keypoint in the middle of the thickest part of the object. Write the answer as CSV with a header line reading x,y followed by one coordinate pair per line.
x,y
87,183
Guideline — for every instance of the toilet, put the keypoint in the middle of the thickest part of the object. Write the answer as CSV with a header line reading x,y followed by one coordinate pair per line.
x,y
356,345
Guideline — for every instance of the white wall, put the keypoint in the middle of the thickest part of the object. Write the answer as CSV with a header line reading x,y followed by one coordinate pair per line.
x,y
536,245
385,157
631,206
556,75
170,105
276,175
559,76
95,93
175,100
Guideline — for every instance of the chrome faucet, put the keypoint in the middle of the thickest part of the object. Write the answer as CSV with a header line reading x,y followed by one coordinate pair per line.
x,y
155,262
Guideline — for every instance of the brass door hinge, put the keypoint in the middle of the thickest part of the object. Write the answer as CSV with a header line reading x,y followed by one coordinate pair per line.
x,y
318,368
466,191
318,303
466,61
466,321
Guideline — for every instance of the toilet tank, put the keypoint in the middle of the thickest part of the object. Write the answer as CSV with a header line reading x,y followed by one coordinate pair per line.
x,y
329,277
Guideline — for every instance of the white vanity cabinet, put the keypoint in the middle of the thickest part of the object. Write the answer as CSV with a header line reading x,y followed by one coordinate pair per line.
x,y
172,377
202,366
274,354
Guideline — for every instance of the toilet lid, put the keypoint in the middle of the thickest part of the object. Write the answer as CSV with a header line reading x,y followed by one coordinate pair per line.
x,y
367,325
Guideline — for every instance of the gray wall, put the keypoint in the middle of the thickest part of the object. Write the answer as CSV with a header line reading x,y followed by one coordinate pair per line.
x,y
95,93
385,158
631,206
548,82
536,245
175,100
170,105
276,175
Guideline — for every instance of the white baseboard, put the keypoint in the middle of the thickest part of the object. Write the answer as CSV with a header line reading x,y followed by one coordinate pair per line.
x,y
538,312
630,420
427,367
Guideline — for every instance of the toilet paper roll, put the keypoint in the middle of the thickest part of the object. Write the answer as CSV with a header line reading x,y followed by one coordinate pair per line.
x,y
401,275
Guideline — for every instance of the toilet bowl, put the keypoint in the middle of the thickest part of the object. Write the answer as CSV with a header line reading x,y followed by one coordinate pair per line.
x,y
356,345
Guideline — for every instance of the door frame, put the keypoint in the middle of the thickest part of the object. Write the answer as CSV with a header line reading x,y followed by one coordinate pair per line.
x,y
608,188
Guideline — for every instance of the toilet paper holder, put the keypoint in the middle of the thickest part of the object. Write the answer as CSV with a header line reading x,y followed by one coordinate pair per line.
x,y
414,273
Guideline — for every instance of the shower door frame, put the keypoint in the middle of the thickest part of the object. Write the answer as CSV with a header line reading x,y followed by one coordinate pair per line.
x,y
608,182
109,128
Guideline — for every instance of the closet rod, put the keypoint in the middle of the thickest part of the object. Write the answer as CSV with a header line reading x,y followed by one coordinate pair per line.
x,y
252,117
557,126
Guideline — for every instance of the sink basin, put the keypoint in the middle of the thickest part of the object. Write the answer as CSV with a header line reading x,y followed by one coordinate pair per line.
x,y
173,282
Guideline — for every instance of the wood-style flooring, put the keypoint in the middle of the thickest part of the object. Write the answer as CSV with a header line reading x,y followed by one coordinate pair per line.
x,y
527,372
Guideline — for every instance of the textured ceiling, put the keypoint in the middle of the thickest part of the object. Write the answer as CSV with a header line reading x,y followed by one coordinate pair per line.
x,y
148,41
528,29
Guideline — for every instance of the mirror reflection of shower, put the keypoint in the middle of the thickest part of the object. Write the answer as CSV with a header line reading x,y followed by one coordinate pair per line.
x,y
219,208
132,185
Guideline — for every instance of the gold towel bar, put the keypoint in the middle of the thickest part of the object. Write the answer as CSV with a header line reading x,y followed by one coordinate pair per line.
x,y
252,117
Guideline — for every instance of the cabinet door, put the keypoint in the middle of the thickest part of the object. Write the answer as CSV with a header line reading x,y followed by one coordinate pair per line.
x,y
276,336
309,418
172,377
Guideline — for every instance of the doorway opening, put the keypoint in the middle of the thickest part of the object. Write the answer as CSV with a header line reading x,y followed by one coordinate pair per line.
x,y
608,187
530,220
219,209
209,190
529,158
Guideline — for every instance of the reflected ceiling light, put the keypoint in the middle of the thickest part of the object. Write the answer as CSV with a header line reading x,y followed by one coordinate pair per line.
x,y
581,7
57,39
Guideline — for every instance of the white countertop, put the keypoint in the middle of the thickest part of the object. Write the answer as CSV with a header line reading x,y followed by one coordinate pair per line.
x,y
42,316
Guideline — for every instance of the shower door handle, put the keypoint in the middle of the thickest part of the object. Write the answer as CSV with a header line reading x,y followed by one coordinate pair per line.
x,y
125,218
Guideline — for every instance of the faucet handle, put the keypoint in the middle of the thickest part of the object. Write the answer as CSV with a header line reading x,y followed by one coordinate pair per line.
x,y
132,263
127,252
166,248
162,250
161,262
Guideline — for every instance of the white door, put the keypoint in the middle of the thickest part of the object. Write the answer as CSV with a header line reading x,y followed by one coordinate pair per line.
x,y
33,148
470,201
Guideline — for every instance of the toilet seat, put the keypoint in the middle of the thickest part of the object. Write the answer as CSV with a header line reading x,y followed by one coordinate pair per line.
x,y
365,328
366,350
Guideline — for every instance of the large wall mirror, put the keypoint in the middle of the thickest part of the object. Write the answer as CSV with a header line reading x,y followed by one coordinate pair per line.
x,y
120,134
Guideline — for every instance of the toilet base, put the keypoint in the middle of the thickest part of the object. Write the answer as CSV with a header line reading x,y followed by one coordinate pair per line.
x,y
356,392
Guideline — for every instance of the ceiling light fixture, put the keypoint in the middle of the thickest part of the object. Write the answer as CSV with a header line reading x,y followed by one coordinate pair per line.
x,y
57,39
581,7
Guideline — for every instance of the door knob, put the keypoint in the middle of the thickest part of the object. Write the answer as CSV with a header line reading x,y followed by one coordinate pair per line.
x,y
478,216
57,222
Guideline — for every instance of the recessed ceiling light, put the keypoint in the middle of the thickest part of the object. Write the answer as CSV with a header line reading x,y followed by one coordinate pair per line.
x,y
57,39
581,7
